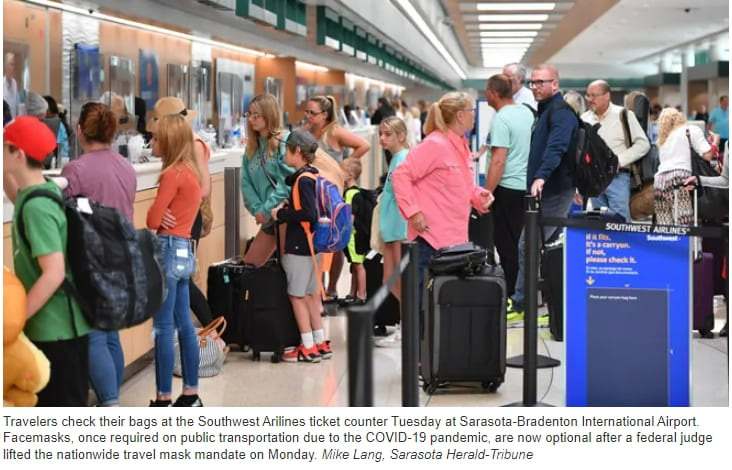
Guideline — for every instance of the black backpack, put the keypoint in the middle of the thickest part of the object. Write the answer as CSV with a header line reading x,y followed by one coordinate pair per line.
x,y
362,208
595,165
119,280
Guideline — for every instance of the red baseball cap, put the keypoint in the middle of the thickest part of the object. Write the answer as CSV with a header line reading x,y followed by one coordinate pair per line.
x,y
31,135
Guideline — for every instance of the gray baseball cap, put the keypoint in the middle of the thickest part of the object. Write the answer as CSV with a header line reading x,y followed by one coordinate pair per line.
x,y
303,139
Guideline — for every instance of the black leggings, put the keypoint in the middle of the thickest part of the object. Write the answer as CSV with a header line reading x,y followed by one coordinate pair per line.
x,y
199,304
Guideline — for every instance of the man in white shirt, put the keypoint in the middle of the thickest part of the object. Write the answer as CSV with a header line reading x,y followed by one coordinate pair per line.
x,y
617,196
10,87
517,73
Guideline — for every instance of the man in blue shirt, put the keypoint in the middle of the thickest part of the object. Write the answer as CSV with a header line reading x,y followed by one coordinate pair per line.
x,y
550,167
719,121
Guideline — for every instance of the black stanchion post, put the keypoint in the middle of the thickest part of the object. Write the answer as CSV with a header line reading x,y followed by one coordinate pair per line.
x,y
410,325
360,356
531,262
531,272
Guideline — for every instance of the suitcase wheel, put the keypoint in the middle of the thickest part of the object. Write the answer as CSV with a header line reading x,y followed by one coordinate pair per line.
x,y
256,355
276,357
491,386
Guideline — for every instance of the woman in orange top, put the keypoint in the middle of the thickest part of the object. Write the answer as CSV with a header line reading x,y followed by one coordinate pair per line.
x,y
174,105
180,192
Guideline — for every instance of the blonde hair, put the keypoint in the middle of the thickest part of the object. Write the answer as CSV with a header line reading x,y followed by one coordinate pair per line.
x,y
353,166
576,101
398,126
668,121
175,143
269,109
443,113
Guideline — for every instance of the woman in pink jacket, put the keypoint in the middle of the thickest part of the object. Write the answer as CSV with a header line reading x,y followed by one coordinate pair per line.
x,y
434,186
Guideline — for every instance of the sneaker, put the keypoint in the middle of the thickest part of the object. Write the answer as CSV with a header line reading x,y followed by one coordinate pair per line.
x,y
301,354
514,315
394,340
543,321
324,349
188,401
163,403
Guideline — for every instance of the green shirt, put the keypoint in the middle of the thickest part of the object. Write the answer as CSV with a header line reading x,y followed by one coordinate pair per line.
x,y
511,129
257,192
45,228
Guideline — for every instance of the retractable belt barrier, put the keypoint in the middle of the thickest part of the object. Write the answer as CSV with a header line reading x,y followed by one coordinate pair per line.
x,y
360,330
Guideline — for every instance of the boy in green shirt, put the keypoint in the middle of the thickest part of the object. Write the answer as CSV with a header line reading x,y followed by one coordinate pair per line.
x,y
55,323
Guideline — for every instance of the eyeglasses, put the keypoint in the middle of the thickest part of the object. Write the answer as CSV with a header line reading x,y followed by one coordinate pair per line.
x,y
249,115
538,83
470,110
593,95
313,113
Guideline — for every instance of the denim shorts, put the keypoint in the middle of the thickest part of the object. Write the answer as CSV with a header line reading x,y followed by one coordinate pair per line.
x,y
178,256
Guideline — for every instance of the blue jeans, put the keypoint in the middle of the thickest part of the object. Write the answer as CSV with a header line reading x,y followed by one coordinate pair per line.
x,y
175,314
555,205
106,365
616,197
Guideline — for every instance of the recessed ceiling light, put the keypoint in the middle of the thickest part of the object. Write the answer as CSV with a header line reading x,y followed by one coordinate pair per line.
x,y
508,34
515,6
519,17
505,26
523,47
511,40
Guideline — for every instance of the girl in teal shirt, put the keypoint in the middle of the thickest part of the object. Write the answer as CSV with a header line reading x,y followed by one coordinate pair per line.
x,y
263,173
393,137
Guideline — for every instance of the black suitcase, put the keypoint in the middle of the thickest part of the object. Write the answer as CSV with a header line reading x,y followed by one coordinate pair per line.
x,y
268,320
224,290
464,335
552,274
388,313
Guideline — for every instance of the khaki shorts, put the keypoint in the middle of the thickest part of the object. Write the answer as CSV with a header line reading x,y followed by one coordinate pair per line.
x,y
302,279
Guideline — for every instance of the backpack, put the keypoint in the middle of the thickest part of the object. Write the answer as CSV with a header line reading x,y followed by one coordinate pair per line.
x,y
595,165
644,170
119,281
333,229
362,207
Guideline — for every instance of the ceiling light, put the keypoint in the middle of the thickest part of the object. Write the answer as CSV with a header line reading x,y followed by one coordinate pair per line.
x,y
505,26
427,31
515,6
495,47
306,65
519,17
135,24
508,34
508,40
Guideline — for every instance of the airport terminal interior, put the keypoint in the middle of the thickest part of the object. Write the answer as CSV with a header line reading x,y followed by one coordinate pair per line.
x,y
215,56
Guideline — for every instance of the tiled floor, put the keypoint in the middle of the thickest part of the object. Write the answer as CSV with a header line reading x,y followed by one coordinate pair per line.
x,y
244,382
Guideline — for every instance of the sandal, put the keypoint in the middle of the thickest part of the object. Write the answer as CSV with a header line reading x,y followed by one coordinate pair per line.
x,y
330,299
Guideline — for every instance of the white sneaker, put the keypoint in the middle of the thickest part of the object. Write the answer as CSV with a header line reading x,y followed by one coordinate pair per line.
x,y
394,340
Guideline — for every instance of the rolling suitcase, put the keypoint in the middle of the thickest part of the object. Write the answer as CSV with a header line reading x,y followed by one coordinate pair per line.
x,y
704,295
268,322
224,290
388,313
552,274
703,315
464,335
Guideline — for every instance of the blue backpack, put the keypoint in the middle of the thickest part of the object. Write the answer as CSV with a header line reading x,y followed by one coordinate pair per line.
x,y
333,229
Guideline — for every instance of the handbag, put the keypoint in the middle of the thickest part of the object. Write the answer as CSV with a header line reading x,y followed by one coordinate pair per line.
x,y
466,259
713,203
206,216
641,202
376,240
212,349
